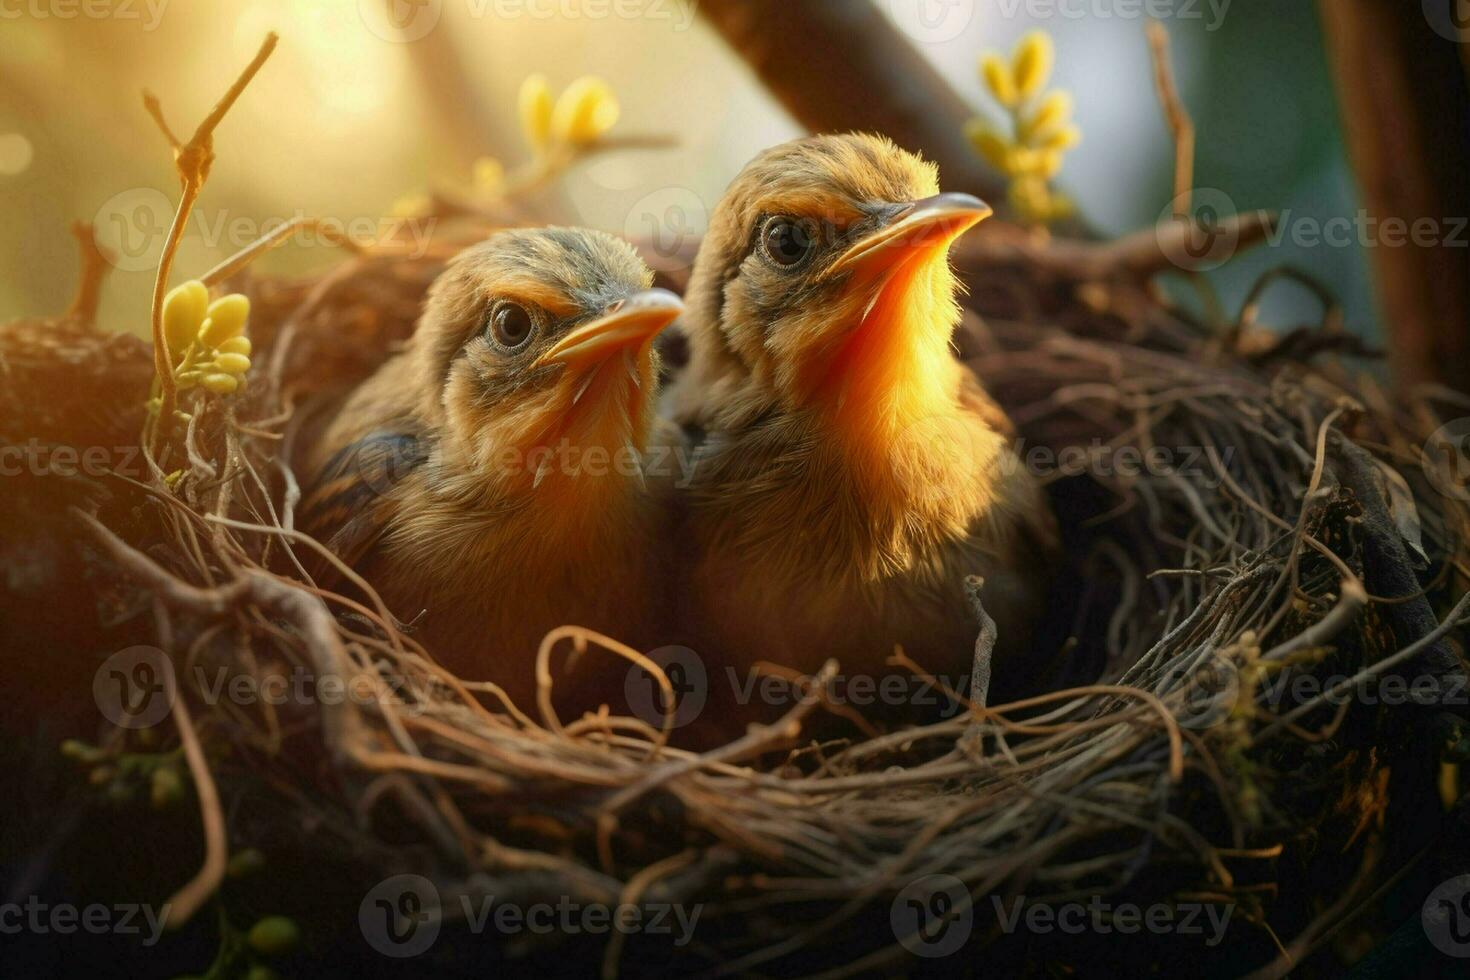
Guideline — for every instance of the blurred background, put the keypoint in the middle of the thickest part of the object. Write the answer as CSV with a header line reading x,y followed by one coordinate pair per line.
x,y
353,115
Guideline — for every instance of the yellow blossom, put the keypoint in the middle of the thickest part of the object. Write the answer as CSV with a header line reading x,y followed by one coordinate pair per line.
x,y
1063,139
489,176
221,384
206,339
535,109
998,78
1053,111
224,319
1041,131
412,206
991,145
585,111
1031,63
183,310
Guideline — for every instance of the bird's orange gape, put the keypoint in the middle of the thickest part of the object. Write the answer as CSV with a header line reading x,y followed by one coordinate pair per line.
x,y
884,372
609,375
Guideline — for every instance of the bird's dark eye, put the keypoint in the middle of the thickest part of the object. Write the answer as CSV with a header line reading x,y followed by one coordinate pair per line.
x,y
788,241
510,325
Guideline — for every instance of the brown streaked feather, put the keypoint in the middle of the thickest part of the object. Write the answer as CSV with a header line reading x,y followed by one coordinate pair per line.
x,y
354,499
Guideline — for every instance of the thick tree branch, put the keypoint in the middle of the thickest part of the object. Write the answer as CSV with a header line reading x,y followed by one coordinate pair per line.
x,y
1404,104
843,66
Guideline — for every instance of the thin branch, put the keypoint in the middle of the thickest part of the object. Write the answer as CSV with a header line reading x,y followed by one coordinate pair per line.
x,y
1175,114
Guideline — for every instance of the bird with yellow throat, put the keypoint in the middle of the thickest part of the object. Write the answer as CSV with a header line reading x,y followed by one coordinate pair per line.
x,y
489,480
851,472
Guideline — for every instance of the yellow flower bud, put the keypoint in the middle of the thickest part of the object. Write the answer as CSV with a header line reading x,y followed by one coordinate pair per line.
x,y
991,145
585,111
224,319
412,206
1032,62
534,105
1026,162
1050,163
1054,111
1063,139
232,363
183,311
236,345
489,175
1030,198
221,384
998,79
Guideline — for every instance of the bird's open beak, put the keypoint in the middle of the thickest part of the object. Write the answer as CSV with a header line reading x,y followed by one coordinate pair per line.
x,y
924,226
628,323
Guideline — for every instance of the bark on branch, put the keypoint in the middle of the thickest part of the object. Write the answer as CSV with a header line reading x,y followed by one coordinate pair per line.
x,y
1404,103
844,66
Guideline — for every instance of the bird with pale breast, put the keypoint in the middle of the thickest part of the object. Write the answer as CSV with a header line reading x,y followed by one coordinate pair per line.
x,y
488,480
851,471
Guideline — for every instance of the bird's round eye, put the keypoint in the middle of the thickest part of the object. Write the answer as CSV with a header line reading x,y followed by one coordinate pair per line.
x,y
510,325
788,241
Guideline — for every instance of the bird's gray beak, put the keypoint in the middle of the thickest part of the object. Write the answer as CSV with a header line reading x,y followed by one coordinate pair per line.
x,y
627,323
926,225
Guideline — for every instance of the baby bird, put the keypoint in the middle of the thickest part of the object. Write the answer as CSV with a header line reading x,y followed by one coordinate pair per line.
x,y
488,481
852,473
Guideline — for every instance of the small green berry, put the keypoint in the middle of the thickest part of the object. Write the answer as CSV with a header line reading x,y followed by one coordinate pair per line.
x,y
274,935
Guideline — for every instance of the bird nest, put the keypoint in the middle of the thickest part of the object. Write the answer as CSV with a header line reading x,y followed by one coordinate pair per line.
x,y
1256,538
